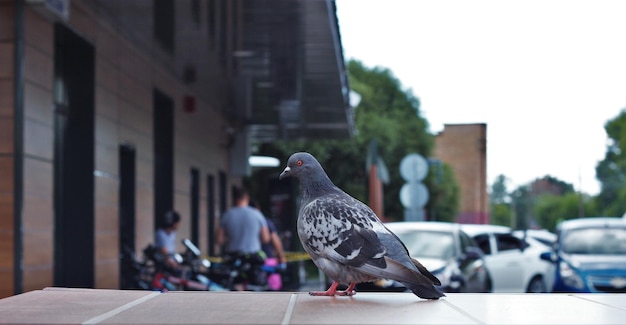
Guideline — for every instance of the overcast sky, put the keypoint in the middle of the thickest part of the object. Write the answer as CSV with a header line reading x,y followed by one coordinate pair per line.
x,y
545,76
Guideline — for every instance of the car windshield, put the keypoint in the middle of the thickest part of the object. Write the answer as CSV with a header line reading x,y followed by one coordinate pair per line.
x,y
596,241
428,244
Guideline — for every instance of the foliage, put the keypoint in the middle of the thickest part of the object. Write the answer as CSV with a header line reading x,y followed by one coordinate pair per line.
x,y
522,202
501,214
499,202
611,172
443,204
499,193
539,203
391,116
549,210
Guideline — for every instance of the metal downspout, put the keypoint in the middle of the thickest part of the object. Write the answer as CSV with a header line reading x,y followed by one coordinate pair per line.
x,y
18,148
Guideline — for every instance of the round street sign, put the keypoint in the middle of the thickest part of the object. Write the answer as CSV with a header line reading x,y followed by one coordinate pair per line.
x,y
415,193
413,167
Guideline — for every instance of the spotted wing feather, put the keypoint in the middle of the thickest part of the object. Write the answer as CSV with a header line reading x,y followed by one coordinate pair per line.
x,y
342,232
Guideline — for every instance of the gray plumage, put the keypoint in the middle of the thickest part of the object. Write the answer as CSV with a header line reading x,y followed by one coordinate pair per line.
x,y
346,240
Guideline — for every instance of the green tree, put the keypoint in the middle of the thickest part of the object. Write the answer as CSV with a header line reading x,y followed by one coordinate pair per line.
x,y
522,202
501,214
611,172
550,209
443,204
392,117
499,192
500,202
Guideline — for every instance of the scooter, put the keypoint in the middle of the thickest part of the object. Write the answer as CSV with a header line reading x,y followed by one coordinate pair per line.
x,y
199,269
166,278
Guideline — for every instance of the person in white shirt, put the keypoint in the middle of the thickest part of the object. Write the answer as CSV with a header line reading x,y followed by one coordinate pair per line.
x,y
165,239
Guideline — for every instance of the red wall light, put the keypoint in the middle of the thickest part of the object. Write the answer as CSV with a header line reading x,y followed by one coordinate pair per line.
x,y
189,104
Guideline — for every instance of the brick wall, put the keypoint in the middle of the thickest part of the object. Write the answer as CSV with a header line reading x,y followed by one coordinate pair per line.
x,y
464,148
6,146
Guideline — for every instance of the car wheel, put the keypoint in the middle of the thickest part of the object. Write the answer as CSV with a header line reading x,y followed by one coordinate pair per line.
x,y
488,288
537,285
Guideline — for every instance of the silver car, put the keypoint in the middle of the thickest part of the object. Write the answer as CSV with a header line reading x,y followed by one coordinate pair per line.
x,y
446,251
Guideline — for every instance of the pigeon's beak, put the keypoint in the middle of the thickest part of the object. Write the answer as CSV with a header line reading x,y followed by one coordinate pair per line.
x,y
285,173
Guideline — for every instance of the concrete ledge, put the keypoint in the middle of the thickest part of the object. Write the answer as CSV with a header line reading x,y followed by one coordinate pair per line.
x,y
95,306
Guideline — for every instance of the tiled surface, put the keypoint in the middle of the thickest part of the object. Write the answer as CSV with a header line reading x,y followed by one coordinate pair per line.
x,y
90,306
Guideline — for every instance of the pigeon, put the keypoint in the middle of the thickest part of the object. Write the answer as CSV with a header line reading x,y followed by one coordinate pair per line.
x,y
345,238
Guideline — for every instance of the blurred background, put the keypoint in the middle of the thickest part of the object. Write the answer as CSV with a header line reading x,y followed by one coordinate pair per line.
x,y
113,112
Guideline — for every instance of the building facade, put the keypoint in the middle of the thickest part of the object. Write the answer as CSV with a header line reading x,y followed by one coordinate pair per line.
x,y
464,148
115,111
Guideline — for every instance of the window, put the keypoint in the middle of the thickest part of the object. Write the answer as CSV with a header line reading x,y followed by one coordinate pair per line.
x,y
195,12
223,32
595,241
163,23
483,243
428,244
507,242
212,22
195,206
466,241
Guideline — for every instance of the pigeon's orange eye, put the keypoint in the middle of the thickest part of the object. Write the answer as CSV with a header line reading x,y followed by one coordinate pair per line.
x,y
299,162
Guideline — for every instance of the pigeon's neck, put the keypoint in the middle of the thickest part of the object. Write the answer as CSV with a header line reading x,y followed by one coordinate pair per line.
x,y
316,186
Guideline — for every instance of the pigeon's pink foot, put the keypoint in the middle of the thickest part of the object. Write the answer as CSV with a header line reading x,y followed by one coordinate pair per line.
x,y
332,291
348,292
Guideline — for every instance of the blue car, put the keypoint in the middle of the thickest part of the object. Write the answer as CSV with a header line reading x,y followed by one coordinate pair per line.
x,y
590,255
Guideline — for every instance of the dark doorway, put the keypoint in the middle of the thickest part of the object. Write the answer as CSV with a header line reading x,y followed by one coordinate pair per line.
x,y
223,198
163,129
74,85
210,180
223,193
127,214
283,208
195,206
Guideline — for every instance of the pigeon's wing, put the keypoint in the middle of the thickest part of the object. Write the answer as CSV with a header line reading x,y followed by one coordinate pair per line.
x,y
341,230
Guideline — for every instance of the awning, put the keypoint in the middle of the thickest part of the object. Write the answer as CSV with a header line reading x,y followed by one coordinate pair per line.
x,y
293,79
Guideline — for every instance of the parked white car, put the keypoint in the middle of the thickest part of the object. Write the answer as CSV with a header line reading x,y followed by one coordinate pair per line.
x,y
514,263
541,235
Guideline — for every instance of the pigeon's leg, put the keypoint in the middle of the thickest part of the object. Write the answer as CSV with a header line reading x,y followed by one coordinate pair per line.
x,y
348,292
330,292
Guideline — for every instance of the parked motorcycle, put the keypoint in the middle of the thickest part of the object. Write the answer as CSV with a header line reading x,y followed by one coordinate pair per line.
x,y
188,277
136,274
196,273
199,269
248,270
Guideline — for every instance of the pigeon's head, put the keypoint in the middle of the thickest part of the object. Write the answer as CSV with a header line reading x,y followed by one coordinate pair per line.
x,y
301,164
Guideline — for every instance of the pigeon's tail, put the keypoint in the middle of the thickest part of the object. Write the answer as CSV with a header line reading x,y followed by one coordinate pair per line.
x,y
425,291
425,272
421,285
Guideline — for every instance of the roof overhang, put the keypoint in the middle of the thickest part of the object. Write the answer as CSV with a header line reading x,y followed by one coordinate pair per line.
x,y
293,82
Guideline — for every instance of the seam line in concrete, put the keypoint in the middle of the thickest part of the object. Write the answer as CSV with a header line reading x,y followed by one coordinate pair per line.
x,y
597,302
463,312
289,311
120,309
